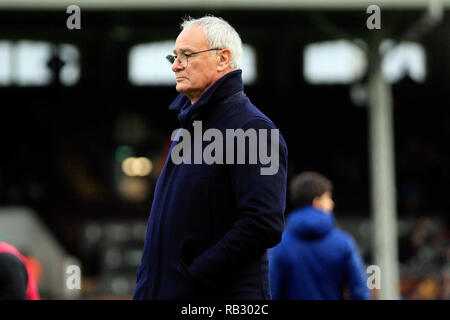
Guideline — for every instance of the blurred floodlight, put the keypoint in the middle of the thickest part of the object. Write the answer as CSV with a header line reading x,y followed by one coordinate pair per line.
x,y
333,62
133,257
120,286
93,233
140,167
70,72
31,64
147,64
248,64
25,63
139,231
134,189
408,58
113,258
126,166
117,232
343,62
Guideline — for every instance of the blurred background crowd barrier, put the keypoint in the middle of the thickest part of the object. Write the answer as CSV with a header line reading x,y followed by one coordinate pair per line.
x,y
85,125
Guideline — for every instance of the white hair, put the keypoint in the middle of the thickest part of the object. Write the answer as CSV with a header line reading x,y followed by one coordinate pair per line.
x,y
220,34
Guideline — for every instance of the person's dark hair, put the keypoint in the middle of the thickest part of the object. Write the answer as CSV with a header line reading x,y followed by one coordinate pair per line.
x,y
306,186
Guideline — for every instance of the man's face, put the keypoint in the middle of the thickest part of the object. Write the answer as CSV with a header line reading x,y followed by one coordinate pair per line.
x,y
201,70
324,202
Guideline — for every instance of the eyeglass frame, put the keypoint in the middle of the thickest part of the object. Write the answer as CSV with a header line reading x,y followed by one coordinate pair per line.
x,y
170,57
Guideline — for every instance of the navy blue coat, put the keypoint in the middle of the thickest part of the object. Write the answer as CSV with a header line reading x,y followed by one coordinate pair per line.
x,y
316,261
210,225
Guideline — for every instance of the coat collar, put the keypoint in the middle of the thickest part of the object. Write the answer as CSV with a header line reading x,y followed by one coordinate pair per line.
x,y
228,85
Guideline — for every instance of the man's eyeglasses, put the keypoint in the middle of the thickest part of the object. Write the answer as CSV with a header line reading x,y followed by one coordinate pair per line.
x,y
183,57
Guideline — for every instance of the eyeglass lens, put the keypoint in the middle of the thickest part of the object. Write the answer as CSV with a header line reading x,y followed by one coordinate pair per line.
x,y
182,59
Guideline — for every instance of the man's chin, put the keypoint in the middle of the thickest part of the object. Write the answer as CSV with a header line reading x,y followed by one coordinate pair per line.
x,y
180,88
184,89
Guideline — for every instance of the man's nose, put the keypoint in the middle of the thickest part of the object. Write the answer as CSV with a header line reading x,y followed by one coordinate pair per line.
x,y
177,66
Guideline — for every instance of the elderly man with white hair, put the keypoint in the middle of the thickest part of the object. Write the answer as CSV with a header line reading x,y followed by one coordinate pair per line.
x,y
211,222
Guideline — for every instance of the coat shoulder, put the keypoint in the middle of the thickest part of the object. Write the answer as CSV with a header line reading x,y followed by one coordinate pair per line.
x,y
345,239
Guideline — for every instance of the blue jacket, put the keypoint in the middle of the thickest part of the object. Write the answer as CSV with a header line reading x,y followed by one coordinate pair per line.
x,y
314,260
210,225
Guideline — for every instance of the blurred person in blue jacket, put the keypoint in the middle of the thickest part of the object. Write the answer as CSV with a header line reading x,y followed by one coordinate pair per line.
x,y
314,260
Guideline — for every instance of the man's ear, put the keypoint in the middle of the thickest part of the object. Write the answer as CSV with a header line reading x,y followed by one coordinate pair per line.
x,y
223,59
315,202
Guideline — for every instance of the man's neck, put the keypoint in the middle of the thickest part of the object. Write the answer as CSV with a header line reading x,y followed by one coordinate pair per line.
x,y
197,97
